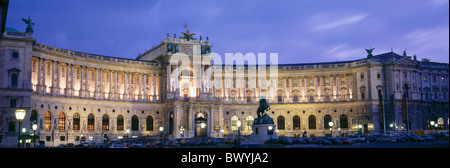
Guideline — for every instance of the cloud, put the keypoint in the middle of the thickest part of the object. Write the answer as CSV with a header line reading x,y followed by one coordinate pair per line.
x,y
342,52
438,3
430,42
327,22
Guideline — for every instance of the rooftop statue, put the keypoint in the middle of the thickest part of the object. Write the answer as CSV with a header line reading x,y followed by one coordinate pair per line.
x,y
369,52
187,35
30,25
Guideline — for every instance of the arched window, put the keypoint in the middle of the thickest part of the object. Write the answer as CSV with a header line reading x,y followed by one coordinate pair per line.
x,y
120,123
48,120
105,122
76,121
91,122
250,120
343,121
171,123
33,117
149,123
312,122
234,120
326,120
296,122
62,121
135,123
280,122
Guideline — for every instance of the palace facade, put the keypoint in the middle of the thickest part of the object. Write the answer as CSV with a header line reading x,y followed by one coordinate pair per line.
x,y
73,96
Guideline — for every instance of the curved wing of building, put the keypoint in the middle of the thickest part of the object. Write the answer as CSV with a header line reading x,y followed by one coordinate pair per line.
x,y
74,96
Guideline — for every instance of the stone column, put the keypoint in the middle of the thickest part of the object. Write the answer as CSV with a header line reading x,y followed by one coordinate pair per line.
x,y
88,93
96,83
39,84
102,93
58,78
154,87
306,86
337,87
52,88
332,88
131,92
348,89
125,97
44,69
110,93
315,85
145,88
140,87
67,90
72,88
321,78
116,85
81,91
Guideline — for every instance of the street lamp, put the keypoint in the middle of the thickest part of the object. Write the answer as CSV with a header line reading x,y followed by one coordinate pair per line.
x,y
34,134
203,125
161,129
182,132
20,115
238,124
331,132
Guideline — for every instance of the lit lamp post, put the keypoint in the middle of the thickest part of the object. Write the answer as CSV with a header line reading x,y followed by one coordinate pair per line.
x,y
203,125
431,126
331,132
182,132
359,139
161,129
238,124
23,139
20,115
392,126
436,137
34,134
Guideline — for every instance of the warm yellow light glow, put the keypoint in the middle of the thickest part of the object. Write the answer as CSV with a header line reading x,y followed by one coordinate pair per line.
x,y
20,114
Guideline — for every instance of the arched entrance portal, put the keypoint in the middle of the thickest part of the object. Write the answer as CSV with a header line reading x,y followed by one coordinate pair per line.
x,y
201,125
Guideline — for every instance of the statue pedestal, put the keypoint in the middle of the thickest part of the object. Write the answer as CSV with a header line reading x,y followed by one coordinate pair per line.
x,y
263,132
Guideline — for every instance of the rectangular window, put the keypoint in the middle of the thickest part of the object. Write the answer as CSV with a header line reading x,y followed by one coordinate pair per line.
x,y
378,75
14,55
362,76
295,82
12,102
425,78
13,80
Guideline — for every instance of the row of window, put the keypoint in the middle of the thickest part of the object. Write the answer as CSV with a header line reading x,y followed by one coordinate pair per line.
x,y
343,122
105,124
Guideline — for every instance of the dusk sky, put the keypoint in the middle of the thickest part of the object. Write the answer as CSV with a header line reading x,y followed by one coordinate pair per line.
x,y
304,31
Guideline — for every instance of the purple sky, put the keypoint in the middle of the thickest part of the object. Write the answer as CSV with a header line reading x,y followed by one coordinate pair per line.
x,y
299,31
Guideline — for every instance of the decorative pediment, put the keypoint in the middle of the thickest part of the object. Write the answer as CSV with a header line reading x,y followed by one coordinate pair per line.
x,y
406,61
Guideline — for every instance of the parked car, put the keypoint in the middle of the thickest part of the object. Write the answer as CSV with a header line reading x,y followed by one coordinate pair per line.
x,y
309,141
427,138
116,146
298,141
324,141
336,141
151,144
69,145
385,139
